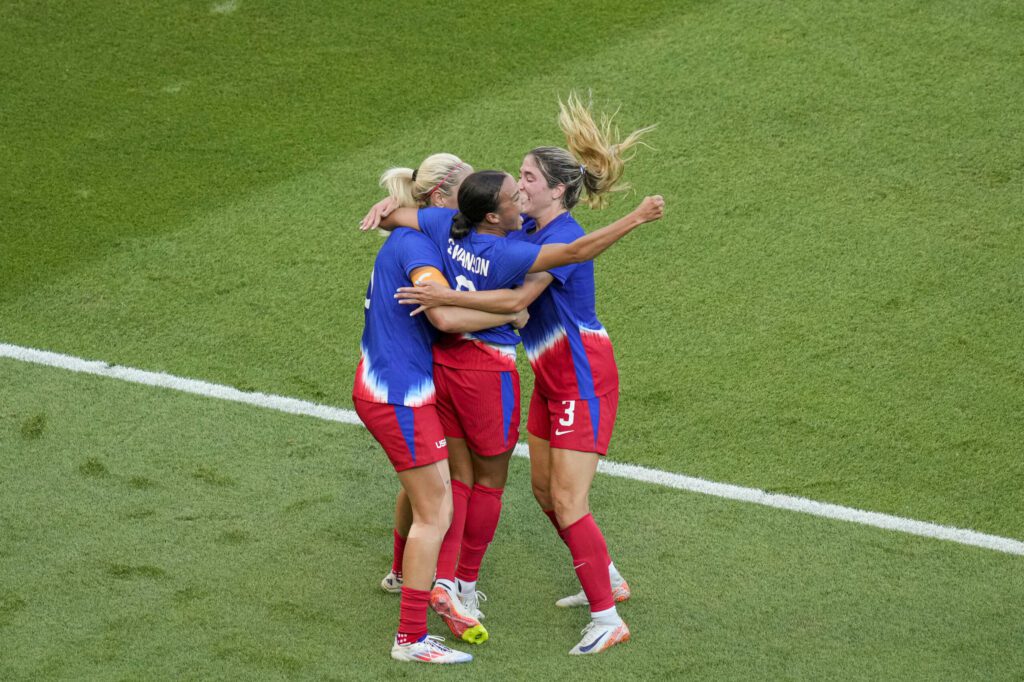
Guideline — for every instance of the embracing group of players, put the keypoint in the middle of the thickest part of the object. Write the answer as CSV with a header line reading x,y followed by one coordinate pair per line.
x,y
481,256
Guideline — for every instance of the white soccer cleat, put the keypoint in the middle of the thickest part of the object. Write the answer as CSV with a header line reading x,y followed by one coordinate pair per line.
x,y
620,593
471,601
392,582
598,637
428,650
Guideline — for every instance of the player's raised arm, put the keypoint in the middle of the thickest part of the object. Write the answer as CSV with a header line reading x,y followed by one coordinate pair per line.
x,y
590,246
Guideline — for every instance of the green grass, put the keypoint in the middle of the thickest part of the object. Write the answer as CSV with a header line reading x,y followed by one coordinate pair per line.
x,y
832,308
148,534
838,275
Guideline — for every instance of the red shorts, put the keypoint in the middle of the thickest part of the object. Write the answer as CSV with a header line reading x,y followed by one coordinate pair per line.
x,y
480,406
581,424
411,436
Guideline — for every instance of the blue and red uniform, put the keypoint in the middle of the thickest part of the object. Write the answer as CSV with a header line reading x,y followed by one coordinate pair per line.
x,y
477,372
394,390
576,384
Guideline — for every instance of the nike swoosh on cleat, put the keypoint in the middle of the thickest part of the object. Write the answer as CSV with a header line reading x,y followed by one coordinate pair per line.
x,y
586,649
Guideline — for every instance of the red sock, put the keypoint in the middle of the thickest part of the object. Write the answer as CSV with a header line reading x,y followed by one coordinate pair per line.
x,y
449,554
481,521
412,616
396,563
590,559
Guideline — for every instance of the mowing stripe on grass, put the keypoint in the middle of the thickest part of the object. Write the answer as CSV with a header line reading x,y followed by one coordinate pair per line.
x,y
630,471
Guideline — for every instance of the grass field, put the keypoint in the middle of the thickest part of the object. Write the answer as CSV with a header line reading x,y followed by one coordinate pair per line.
x,y
832,308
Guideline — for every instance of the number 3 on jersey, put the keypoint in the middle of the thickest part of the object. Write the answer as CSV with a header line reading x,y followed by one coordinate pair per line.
x,y
570,413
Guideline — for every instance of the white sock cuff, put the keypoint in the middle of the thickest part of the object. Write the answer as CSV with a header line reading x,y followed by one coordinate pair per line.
x,y
610,616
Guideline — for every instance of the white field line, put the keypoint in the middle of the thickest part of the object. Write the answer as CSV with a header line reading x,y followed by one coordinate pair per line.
x,y
636,473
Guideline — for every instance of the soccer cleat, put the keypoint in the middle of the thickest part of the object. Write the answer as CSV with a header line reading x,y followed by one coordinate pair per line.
x,y
392,583
620,593
600,636
428,650
462,623
471,601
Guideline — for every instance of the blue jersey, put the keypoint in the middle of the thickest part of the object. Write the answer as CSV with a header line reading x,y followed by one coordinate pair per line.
x,y
478,262
396,364
568,347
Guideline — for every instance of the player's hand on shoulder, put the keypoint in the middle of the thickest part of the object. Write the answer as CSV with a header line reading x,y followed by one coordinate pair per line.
x,y
382,209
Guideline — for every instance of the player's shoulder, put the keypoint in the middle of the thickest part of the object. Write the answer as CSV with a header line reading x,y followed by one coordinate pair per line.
x,y
563,229
401,236
566,223
412,246
436,222
436,213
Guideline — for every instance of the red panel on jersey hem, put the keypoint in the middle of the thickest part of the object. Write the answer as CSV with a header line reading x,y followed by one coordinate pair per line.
x,y
384,423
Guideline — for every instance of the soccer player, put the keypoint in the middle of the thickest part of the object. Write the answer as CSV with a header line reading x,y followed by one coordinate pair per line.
x,y
575,399
478,387
478,370
394,396
434,183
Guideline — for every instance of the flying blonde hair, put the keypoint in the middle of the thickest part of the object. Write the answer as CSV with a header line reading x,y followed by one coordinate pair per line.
x,y
438,174
595,158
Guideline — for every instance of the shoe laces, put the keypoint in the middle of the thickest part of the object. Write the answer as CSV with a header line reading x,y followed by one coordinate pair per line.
x,y
473,598
593,625
434,642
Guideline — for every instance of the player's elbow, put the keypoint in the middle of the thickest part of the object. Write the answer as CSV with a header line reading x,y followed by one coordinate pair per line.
x,y
576,253
442,320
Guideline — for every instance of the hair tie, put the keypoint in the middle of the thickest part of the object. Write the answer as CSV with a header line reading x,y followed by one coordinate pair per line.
x,y
414,175
583,169
445,178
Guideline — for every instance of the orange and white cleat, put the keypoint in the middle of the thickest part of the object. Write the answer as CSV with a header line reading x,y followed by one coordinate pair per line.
x,y
428,650
462,623
598,637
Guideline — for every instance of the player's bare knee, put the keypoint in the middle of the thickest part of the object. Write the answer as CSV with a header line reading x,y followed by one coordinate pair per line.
x,y
492,478
568,504
497,482
543,496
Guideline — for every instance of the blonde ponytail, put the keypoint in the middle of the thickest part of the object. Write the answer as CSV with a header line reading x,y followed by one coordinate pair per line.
x,y
400,186
595,158
439,173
